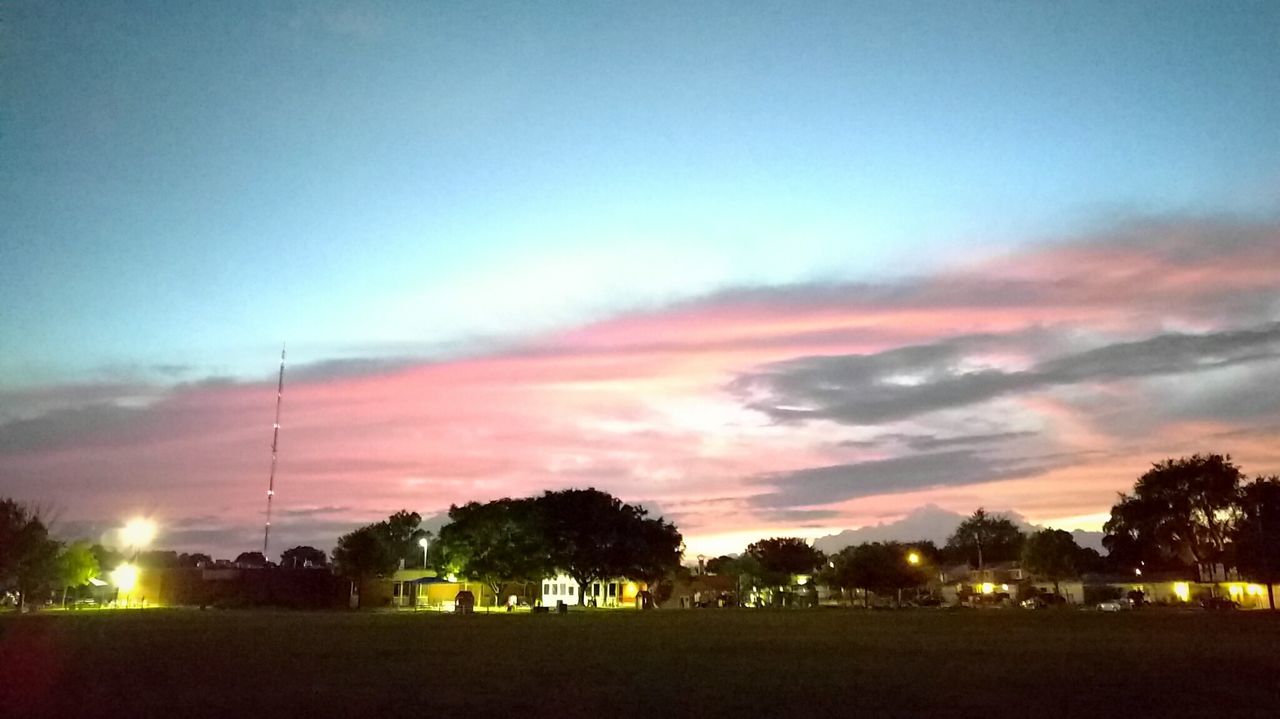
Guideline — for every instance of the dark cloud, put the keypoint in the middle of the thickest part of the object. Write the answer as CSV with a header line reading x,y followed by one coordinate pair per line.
x,y
929,442
801,516
65,427
900,383
351,367
817,486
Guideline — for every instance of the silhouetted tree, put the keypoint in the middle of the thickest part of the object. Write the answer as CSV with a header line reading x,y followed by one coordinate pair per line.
x,y
303,556
108,558
1256,536
1181,509
251,559
879,567
654,552
157,559
717,565
28,557
377,549
984,538
782,557
194,560
1052,555
588,534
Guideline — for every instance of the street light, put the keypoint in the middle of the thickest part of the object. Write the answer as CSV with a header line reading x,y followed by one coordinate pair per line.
x,y
424,543
137,533
913,559
125,577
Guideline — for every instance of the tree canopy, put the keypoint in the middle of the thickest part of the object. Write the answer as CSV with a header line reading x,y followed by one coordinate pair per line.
x,y
303,556
376,550
593,535
1181,511
495,542
28,562
587,534
1052,554
249,559
780,558
876,567
983,538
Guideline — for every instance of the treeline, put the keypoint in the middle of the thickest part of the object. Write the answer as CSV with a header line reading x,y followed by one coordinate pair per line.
x,y
586,534
1192,514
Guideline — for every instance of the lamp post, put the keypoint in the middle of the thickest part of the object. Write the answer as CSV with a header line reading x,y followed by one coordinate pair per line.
x,y
424,543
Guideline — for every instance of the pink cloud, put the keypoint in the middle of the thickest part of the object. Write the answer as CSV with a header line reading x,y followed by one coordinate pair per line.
x,y
639,404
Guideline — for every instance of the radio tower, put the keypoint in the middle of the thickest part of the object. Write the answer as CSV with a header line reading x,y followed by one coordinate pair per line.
x,y
275,443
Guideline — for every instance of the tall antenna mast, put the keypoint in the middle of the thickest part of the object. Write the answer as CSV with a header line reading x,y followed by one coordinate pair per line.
x,y
275,444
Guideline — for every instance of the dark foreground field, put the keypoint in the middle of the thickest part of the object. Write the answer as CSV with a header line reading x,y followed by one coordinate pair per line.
x,y
670,663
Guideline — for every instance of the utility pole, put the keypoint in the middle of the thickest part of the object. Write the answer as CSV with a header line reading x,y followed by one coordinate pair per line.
x,y
275,445
1265,556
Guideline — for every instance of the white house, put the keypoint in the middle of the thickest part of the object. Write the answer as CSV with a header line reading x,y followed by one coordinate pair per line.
x,y
616,592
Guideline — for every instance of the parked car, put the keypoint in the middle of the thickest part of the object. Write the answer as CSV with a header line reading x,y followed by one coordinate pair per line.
x,y
1113,605
1218,603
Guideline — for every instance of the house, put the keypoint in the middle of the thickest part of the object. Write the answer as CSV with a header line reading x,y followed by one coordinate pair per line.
x,y
421,589
615,592
998,580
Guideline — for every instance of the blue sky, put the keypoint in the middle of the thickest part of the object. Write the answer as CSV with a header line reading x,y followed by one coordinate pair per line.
x,y
713,257
191,183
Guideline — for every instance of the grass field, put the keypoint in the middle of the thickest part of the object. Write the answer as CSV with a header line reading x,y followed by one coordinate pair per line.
x,y
669,663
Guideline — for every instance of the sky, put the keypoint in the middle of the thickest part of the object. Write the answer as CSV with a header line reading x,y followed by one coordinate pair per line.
x,y
765,268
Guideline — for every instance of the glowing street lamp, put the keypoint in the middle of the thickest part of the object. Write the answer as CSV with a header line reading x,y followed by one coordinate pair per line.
x,y
125,577
424,543
138,533
913,559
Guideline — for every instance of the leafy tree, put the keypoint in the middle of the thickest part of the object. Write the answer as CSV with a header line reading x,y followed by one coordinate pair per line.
x,y
401,531
879,567
194,560
28,560
76,565
1089,559
158,559
1182,510
251,559
717,565
985,538
377,549
1256,536
303,556
780,558
588,532
108,558
495,542
654,553
1051,554
362,554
